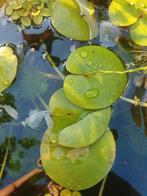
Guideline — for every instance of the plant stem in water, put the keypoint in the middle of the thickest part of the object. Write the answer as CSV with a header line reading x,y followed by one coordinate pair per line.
x,y
102,187
135,101
50,60
5,159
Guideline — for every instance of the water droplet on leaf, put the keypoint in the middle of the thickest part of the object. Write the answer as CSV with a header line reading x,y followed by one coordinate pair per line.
x,y
84,54
91,93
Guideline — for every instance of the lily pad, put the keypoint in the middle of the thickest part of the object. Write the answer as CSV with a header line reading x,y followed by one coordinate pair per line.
x,y
8,66
86,170
138,31
85,131
142,5
123,13
25,20
63,112
95,83
67,20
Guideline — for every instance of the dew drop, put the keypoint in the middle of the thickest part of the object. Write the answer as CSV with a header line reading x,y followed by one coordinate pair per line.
x,y
91,93
142,5
132,3
84,54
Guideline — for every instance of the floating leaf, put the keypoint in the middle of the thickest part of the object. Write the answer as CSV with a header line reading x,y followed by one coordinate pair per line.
x,y
60,105
67,20
8,10
46,12
28,12
8,66
25,21
72,175
38,20
63,112
123,13
93,74
15,15
85,131
138,31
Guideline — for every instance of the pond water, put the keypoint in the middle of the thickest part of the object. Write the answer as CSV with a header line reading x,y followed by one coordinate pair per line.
x,y
31,91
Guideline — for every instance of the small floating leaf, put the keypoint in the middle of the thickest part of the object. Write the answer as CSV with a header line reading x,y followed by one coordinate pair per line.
x,y
46,12
25,21
63,112
15,15
38,20
8,10
65,192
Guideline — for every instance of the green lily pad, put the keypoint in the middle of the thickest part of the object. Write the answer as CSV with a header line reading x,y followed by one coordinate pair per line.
x,y
8,10
25,20
123,13
86,170
60,105
67,20
85,131
138,31
95,83
15,15
38,19
8,66
63,112
46,12
142,5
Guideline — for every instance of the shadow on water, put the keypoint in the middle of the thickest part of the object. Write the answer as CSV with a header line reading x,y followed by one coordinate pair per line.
x,y
115,186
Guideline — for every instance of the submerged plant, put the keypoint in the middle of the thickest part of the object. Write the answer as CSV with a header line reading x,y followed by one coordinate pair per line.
x,y
8,66
131,12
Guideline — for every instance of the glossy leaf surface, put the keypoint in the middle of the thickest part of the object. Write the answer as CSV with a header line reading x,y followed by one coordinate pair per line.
x,y
8,66
94,82
86,170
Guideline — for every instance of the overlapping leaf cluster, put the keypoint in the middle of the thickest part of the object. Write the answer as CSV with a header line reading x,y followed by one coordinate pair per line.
x,y
28,12
74,19
79,150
